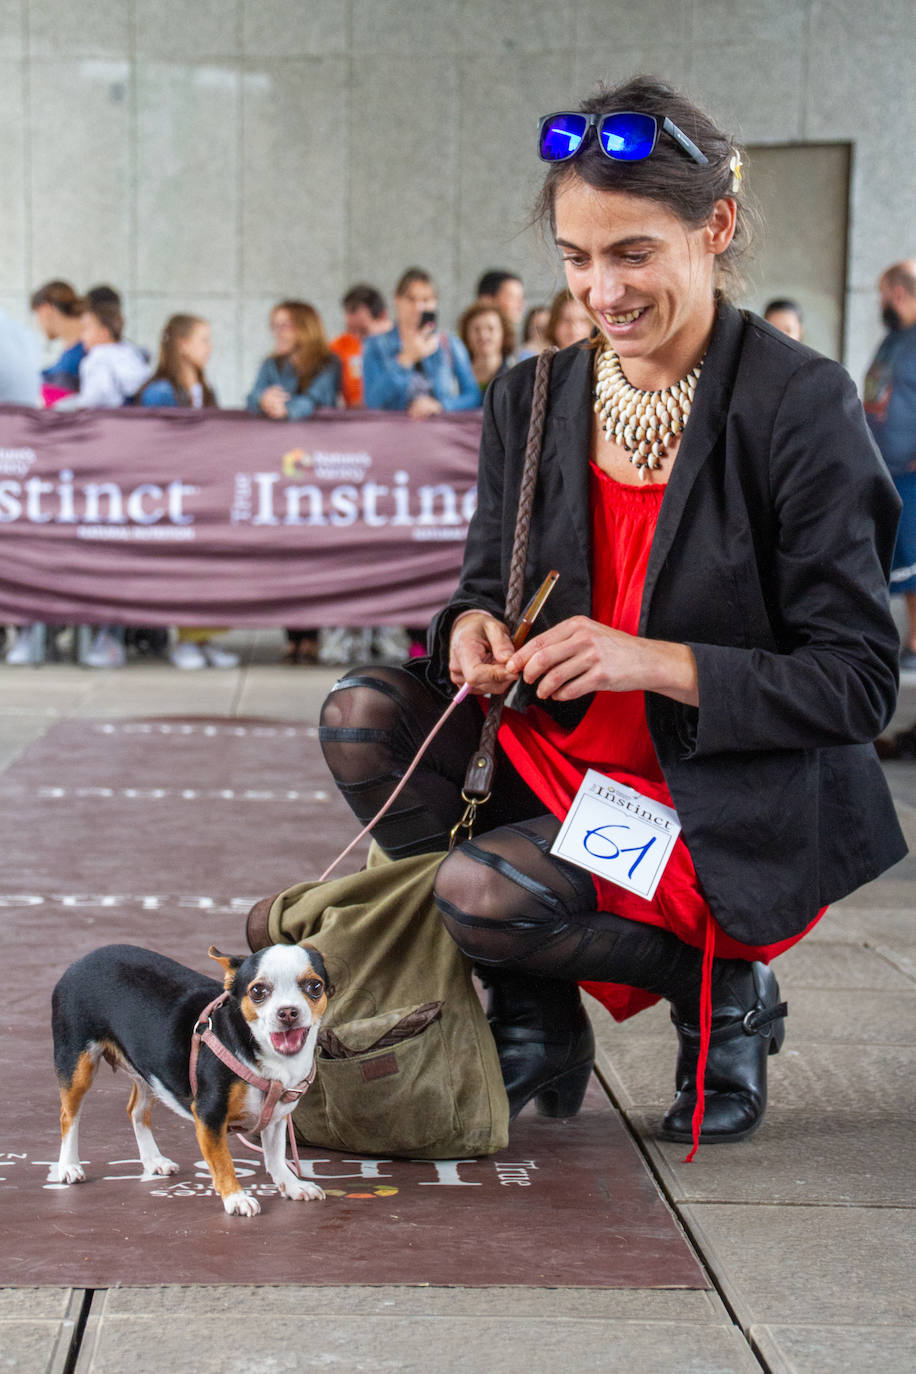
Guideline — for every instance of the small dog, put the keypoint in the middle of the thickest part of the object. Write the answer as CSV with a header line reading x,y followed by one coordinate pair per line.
x,y
140,1011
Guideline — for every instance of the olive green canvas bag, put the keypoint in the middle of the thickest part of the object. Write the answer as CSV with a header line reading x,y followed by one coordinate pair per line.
x,y
406,1061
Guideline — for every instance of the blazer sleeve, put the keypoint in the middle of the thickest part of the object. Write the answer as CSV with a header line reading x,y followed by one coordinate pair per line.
x,y
833,679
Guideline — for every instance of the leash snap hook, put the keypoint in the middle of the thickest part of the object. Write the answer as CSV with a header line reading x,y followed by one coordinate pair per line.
x,y
466,821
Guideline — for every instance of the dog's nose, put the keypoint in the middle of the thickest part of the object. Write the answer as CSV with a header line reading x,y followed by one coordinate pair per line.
x,y
288,1015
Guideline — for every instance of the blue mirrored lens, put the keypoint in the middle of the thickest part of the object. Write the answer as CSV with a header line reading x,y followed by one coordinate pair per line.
x,y
627,137
562,137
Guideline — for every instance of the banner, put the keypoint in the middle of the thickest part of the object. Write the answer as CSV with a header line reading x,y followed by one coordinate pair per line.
x,y
209,517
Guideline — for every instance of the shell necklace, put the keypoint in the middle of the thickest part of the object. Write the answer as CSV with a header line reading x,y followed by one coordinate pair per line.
x,y
645,423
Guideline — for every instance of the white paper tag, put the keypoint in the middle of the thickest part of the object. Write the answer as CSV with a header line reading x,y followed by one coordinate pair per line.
x,y
617,833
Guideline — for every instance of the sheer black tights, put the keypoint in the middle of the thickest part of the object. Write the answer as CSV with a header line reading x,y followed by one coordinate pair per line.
x,y
371,726
507,902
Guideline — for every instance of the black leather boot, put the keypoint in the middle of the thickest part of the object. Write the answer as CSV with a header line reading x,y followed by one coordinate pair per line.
x,y
747,1026
544,1039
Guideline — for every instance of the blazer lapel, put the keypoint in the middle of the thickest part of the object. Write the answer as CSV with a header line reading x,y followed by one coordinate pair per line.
x,y
707,419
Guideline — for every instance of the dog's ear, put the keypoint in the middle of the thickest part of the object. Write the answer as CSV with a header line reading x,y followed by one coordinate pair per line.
x,y
231,964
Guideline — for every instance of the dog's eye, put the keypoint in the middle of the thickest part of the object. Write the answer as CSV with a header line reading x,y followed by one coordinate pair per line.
x,y
314,988
258,992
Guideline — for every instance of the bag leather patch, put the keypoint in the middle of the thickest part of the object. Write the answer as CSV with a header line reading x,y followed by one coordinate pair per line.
x,y
383,1067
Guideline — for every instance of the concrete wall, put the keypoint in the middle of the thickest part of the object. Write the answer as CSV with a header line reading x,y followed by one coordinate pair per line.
x,y
215,155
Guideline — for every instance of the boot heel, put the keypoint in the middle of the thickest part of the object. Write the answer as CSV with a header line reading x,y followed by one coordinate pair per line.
x,y
563,1097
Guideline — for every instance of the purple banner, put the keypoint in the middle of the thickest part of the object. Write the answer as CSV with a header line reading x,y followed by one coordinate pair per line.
x,y
184,517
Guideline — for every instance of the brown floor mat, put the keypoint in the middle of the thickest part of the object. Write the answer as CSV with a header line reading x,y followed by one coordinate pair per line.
x,y
161,833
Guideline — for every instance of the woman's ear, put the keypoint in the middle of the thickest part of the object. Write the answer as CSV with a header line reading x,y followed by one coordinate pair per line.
x,y
720,227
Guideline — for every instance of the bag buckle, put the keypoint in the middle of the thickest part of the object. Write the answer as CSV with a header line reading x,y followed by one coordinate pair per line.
x,y
467,820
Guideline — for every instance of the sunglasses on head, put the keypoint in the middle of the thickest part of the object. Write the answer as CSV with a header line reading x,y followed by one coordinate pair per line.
x,y
623,135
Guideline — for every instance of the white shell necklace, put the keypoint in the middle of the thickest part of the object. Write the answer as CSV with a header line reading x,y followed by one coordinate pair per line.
x,y
645,423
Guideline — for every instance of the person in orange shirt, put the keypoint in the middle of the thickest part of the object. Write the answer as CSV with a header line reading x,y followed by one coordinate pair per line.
x,y
365,314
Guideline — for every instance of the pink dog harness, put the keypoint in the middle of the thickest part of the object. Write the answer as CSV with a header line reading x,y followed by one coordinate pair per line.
x,y
274,1091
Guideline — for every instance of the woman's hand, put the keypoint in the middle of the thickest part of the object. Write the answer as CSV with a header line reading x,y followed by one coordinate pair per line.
x,y
579,656
478,649
417,344
273,402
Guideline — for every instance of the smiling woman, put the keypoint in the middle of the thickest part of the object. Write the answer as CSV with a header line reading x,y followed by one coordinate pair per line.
x,y
713,665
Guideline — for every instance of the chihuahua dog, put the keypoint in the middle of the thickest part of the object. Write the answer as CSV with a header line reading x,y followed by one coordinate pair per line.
x,y
232,1056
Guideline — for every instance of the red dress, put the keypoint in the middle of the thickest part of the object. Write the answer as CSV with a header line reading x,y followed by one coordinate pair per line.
x,y
614,738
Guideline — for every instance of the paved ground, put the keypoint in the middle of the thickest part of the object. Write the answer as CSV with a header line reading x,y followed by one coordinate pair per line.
x,y
806,1230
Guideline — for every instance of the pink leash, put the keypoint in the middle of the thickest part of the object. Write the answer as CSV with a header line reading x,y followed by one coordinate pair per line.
x,y
455,701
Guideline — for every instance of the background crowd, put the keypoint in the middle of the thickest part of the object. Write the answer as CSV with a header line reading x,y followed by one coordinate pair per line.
x,y
400,359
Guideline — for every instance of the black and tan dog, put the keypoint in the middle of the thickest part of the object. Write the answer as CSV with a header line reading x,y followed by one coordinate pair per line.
x,y
253,1055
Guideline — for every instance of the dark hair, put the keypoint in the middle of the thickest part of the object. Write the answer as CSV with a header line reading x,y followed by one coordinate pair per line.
x,y
493,279
413,274
168,367
60,295
507,343
783,303
529,320
669,176
103,295
108,315
364,294
311,351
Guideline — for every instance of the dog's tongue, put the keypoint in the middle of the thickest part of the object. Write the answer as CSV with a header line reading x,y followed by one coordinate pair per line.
x,y
288,1042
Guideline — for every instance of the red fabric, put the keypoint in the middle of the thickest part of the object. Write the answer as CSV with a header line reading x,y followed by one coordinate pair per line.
x,y
614,738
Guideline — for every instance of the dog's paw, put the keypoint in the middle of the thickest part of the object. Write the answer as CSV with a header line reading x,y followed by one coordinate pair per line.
x,y
71,1173
299,1189
241,1205
159,1165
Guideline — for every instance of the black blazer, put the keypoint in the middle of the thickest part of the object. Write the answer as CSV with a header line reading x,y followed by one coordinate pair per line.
x,y
770,559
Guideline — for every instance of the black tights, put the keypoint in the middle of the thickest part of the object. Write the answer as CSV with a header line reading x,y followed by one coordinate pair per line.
x,y
372,724
509,903
506,901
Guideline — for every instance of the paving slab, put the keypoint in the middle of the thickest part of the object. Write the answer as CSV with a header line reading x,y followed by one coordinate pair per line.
x,y
411,1345
292,1300
830,1266
835,1349
796,1157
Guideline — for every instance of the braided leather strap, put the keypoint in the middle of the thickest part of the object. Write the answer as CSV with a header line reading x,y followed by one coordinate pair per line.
x,y
479,777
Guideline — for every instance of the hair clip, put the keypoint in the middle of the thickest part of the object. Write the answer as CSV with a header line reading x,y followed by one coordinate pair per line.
x,y
734,167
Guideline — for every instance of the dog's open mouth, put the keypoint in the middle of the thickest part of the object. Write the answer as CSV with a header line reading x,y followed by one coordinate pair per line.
x,y
289,1041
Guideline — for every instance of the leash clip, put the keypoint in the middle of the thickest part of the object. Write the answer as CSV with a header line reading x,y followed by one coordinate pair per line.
x,y
467,820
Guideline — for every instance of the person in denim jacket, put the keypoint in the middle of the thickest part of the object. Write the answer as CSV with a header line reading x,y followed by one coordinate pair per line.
x,y
413,367
302,374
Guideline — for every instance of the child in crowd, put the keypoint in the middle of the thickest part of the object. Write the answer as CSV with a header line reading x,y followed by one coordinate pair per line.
x,y
58,313
180,379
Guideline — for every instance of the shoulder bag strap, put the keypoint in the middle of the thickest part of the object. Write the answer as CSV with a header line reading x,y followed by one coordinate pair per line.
x,y
479,777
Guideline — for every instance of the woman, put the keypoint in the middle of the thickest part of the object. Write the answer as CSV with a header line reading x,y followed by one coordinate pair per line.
x,y
719,638
487,335
180,379
568,321
58,311
185,346
301,375
414,367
